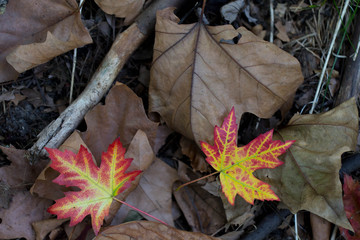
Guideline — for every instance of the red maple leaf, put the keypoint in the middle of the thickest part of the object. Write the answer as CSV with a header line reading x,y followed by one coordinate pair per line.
x,y
351,200
98,185
237,164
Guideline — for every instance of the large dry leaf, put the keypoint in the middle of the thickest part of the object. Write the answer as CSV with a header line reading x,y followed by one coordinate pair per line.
x,y
34,31
18,208
198,74
24,209
153,195
127,9
121,116
18,176
149,231
309,178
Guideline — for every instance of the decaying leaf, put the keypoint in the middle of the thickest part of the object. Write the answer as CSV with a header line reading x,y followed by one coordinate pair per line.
x,y
122,115
127,9
237,164
150,231
241,213
44,227
7,96
31,55
24,209
231,10
197,75
153,194
15,200
203,211
98,185
18,175
309,179
195,155
34,31
282,34
352,207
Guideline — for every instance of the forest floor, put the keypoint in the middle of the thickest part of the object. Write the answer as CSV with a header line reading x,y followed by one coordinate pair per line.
x,y
304,29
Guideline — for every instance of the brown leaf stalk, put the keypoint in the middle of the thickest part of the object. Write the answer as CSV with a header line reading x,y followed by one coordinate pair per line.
x,y
196,180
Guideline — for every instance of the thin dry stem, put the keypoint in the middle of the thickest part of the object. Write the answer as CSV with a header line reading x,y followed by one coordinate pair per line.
x,y
140,211
271,21
196,180
72,232
74,63
338,25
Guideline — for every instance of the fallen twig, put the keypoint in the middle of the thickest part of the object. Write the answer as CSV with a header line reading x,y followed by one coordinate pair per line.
x,y
271,39
350,83
124,45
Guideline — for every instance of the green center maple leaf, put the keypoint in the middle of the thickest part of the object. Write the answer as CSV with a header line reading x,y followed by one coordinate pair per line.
x,y
98,185
237,164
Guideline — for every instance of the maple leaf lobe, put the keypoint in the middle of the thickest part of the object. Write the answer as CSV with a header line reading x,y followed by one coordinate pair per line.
x,y
352,207
237,164
98,185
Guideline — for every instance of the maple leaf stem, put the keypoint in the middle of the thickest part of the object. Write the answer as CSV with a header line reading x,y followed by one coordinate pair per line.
x,y
196,180
140,211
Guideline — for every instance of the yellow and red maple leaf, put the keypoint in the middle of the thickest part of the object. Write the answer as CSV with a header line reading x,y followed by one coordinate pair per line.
x,y
98,185
237,164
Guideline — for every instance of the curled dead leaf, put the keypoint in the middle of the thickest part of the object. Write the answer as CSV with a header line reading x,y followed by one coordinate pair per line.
x,y
231,10
197,77
45,30
282,34
197,159
44,227
28,56
127,9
